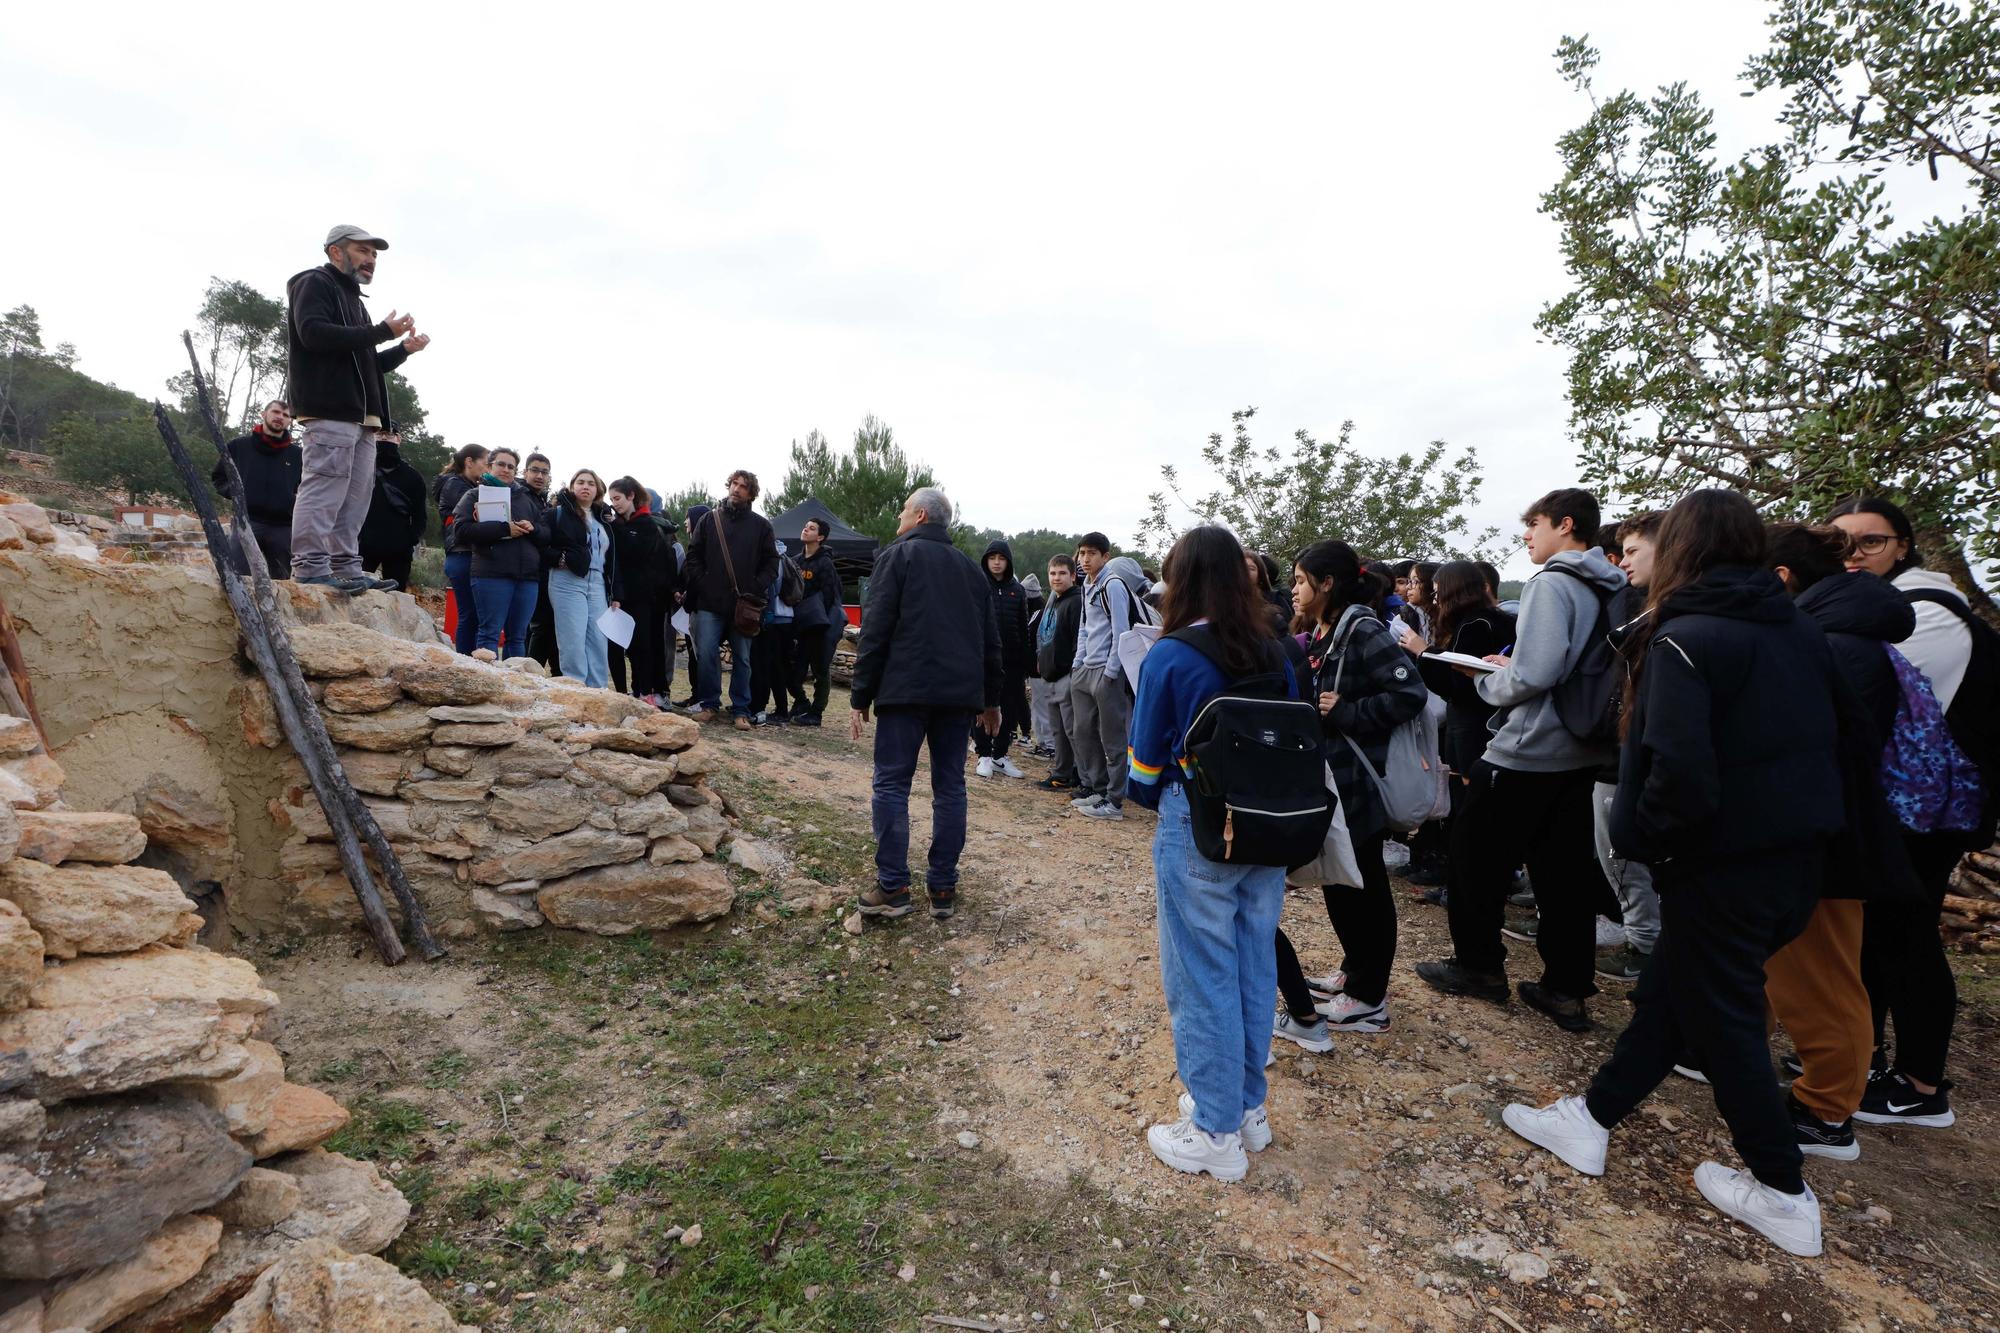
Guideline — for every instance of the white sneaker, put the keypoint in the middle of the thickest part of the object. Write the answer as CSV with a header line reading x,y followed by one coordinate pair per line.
x,y
1085,801
1566,1128
1313,1036
985,769
1689,1071
1185,1148
1344,1013
1256,1130
1008,768
1103,810
1610,934
1333,983
1789,1221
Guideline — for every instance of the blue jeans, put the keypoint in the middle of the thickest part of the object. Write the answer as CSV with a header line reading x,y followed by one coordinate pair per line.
x,y
505,604
458,572
899,734
708,628
1218,965
581,647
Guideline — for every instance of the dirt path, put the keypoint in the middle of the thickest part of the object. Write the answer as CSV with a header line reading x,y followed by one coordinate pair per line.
x,y
1391,1195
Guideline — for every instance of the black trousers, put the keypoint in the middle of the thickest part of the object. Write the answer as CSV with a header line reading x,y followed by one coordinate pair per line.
x,y
542,644
1543,820
1903,962
770,662
808,651
390,565
651,670
1013,719
1365,921
275,541
1701,995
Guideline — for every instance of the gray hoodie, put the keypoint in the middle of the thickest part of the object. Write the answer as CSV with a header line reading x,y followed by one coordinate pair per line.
x,y
1107,613
1557,615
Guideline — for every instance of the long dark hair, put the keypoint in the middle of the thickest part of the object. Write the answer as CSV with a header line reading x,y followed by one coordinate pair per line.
x,y
1353,585
455,468
1423,586
1900,521
1808,552
1207,578
1459,593
1706,529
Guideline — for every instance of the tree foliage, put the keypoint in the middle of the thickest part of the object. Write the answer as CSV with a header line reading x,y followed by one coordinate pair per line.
x,y
1769,323
239,334
121,453
1412,504
677,503
865,487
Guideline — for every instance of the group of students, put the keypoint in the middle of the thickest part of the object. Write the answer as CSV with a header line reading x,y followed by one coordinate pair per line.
x,y
1761,748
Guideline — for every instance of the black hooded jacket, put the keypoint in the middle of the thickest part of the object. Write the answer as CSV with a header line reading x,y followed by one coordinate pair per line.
x,y
396,518
647,568
270,471
1055,653
332,365
927,633
1010,612
1733,743
1860,613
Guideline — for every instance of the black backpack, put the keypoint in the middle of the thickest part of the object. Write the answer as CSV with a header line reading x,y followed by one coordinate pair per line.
x,y
791,584
1974,715
1590,700
1256,781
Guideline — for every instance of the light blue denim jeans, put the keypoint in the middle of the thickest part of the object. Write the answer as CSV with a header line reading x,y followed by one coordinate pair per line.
x,y
581,647
1218,964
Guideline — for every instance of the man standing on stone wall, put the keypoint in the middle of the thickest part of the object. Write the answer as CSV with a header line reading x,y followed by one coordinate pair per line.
x,y
340,395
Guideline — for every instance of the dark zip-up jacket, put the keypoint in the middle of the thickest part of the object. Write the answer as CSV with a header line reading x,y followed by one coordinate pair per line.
x,y
333,366
822,580
568,544
1732,746
447,489
1055,646
270,470
396,518
1010,613
1379,691
752,546
647,570
496,554
928,635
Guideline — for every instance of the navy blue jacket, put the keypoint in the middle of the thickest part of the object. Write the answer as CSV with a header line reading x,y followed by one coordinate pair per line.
x,y
928,635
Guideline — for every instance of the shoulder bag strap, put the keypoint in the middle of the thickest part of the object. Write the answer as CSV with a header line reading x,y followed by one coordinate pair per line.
x,y
722,540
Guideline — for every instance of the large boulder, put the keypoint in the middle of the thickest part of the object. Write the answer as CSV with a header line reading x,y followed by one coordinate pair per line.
x,y
321,1288
56,836
113,1045
98,909
115,1171
20,957
157,973
618,900
100,1298
564,854
300,1117
506,911
669,731
335,650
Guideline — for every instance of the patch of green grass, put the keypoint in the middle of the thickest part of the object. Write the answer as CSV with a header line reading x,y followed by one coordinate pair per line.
x,y
435,1258
447,1070
339,1071
378,1128
487,1196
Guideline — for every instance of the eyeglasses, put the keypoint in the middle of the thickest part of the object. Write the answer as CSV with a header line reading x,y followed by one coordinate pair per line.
x,y
1874,543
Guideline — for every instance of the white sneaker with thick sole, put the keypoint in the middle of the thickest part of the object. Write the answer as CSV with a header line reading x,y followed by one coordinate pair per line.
x,y
1789,1221
1566,1128
1313,1036
1333,983
1256,1130
1008,769
1186,1148
1085,801
985,767
1344,1013
1103,810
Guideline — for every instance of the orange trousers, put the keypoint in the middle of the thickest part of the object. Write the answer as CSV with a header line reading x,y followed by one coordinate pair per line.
x,y
1813,986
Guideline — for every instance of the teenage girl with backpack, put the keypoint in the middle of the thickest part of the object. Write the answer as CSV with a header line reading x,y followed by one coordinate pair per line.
x,y
1902,955
1216,920
1366,686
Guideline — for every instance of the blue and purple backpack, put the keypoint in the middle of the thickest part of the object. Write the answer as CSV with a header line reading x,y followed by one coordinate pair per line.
x,y
1930,784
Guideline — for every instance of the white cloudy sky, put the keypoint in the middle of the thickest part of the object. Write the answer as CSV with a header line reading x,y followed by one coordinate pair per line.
x,y
1054,250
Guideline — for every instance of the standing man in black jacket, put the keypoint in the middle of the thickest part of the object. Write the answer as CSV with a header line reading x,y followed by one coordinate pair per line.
x,y
268,462
717,577
1055,650
929,663
341,396
396,514
1010,612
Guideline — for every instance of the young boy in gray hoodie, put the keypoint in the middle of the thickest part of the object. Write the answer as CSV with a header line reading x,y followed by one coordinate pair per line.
x,y
1529,799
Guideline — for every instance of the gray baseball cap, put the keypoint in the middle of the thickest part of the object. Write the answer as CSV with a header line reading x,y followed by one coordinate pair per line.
x,y
347,231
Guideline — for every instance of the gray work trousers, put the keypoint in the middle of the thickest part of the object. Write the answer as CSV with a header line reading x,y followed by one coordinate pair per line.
x,y
1632,881
336,484
1102,715
1061,722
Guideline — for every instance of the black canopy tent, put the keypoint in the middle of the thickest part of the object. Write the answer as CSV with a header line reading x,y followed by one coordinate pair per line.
x,y
853,554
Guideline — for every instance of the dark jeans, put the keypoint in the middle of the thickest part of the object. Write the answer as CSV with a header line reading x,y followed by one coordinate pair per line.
x,y
542,643
505,605
1013,718
1903,961
899,734
808,648
390,565
770,666
1701,995
1365,921
1543,820
275,541
458,573
709,629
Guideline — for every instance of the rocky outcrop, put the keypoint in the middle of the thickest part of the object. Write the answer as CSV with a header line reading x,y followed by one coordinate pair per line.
x,y
321,1288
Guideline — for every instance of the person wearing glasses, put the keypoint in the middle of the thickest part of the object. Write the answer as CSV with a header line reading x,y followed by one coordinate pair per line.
x,y
506,559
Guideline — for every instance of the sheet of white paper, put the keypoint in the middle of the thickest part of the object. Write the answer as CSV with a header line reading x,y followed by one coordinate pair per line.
x,y
495,505
1133,645
617,626
1465,660
679,620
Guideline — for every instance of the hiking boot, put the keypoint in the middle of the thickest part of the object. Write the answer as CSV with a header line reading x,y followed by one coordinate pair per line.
x,y
1819,1138
742,722
1008,768
880,902
1344,1013
703,715
1566,1011
1104,810
1454,978
1566,1128
1186,1148
1055,784
1894,1100
377,585
339,583
1789,1221
1523,929
1625,965
984,768
944,906
1256,1129
806,720
1313,1036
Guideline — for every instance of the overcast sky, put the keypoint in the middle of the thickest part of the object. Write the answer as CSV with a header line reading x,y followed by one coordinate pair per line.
x,y
1053,247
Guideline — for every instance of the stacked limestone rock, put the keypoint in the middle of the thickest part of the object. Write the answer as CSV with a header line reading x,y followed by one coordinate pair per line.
x,y
153,1159
511,799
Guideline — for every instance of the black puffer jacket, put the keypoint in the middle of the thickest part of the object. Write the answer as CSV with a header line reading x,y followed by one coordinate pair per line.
x,y
333,367
270,470
1010,612
1733,742
1860,613
447,489
568,543
496,552
647,570
1055,648
928,636
396,518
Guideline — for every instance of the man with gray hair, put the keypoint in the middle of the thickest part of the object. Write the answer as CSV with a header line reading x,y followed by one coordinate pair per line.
x,y
340,395
929,665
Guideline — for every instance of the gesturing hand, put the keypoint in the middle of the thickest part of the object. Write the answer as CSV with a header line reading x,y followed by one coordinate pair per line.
x,y
400,325
854,728
416,342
